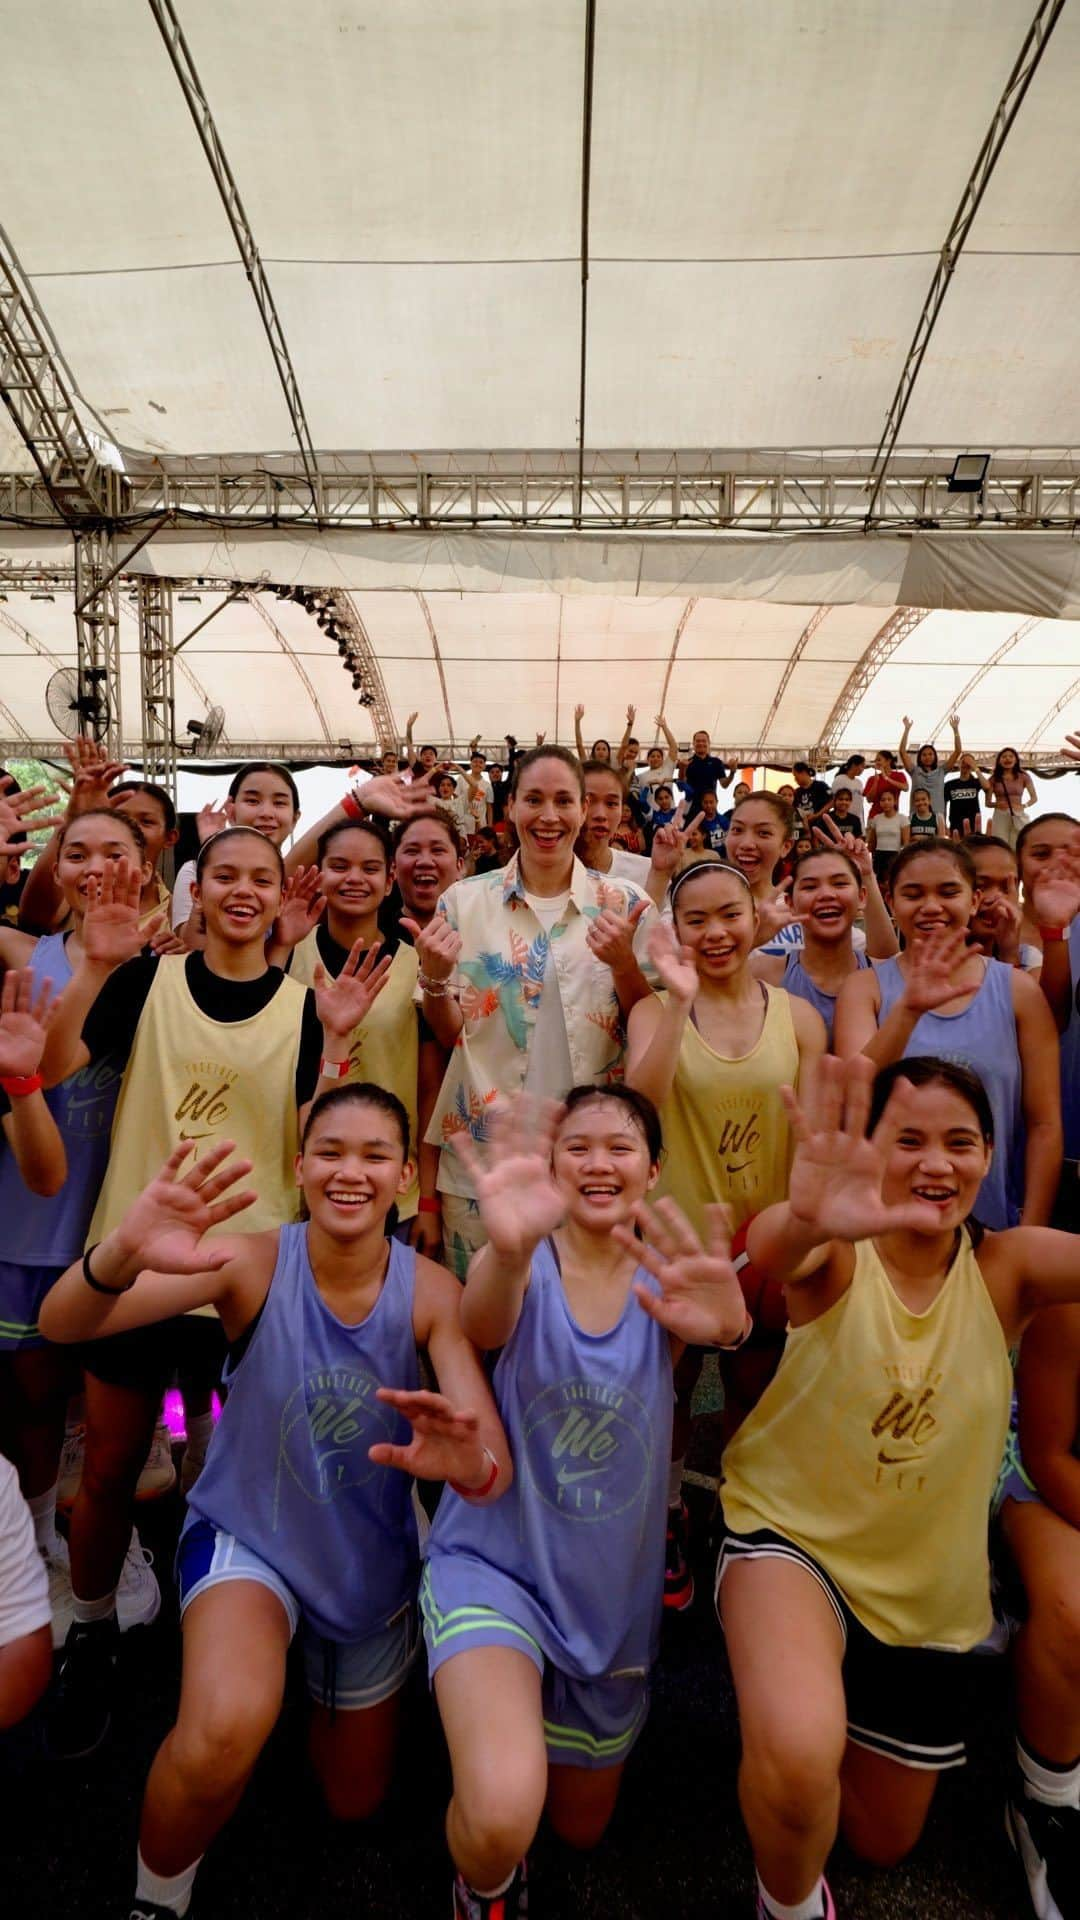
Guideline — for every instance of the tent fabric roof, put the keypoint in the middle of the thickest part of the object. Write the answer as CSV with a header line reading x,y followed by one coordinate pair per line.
x,y
712,663
770,188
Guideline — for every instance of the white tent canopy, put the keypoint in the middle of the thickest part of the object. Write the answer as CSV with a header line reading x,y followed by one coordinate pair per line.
x,y
769,190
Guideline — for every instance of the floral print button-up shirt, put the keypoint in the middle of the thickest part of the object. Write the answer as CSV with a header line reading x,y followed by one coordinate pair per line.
x,y
498,982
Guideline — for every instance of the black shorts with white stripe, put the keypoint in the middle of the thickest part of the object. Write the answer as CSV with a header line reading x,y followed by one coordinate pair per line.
x,y
911,1704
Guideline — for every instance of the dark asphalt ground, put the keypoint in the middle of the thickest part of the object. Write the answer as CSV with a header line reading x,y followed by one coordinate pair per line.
x,y
676,1847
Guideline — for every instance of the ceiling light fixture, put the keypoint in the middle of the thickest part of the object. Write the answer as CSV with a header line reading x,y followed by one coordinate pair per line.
x,y
969,473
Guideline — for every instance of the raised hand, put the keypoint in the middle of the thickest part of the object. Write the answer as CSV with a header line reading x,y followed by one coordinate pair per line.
x,y
515,1190
437,945
412,720
1055,895
579,713
834,1186
631,715
111,932
92,775
164,1228
829,835
211,819
24,1023
932,966
1004,921
610,937
163,940
700,1298
669,843
21,813
673,963
445,1443
344,1004
776,913
540,738
396,798
1072,746
300,910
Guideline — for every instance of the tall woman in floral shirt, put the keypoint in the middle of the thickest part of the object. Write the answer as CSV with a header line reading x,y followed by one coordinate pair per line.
x,y
528,974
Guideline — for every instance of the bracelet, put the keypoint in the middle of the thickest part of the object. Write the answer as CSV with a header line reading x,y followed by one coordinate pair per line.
x,y
438,989
96,1284
477,1493
18,1085
1048,935
429,1203
333,1069
351,807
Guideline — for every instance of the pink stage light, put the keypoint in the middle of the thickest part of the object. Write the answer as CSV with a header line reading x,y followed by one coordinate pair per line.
x,y
174,1412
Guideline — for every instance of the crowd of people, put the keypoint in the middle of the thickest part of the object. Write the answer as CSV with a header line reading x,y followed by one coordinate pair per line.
x,y
430,1150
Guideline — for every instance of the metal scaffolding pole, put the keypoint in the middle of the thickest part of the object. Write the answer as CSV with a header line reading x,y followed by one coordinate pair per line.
x,y
97,631
156,682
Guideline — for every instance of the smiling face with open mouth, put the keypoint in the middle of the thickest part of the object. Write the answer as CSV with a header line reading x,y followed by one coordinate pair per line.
x,y
601,1164
827,892
547,809
714,916
91,843
352,1169
937,1154
353,876
756,841
425,864
239,887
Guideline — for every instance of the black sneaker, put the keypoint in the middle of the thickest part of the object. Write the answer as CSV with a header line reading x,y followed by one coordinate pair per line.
x,y
1047,1841
81,1709
511,1905
678,1579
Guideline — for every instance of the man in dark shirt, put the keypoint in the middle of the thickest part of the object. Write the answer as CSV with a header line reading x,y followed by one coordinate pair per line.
x,y
700,773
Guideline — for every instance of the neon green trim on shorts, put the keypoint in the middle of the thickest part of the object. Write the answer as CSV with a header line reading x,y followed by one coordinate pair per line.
x,y
587,1742
469,1620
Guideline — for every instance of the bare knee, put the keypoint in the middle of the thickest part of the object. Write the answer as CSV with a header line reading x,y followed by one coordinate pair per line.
x,y
497,1810
1054,1626
797,1779
580,1827
878,1837
216,1755
111,1470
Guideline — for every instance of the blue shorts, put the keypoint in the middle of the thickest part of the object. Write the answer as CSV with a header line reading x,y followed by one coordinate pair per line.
x,y
345,1676
22,1290
587,1723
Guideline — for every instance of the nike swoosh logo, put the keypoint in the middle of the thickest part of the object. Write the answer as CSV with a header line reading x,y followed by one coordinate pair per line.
x,y
193,1136
898,1459
566,1479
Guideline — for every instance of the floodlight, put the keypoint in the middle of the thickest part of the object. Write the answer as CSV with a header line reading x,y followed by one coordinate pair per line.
x,y
969,473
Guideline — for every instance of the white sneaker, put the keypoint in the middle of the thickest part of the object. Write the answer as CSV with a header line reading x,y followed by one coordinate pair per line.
x,y
138,1596
69,1477
60,1601
158,1475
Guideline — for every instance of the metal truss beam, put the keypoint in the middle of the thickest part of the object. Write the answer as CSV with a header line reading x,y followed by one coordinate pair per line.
x,y
1027,61
344,611
255,600
631,492
680,629
437,654
38,391
980,673
156,682
864,673
797,652
28,639
97,628
199,107
1071,694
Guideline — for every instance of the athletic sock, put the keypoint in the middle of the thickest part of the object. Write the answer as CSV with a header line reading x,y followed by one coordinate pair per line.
x,y
174,1893
43,1513
200,1432
1047,1781
492,1893
674,1485
812,1908
86,1613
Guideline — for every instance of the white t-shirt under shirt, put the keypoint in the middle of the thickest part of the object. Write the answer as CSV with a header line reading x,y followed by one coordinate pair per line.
x,y
24,1583
182,902
629,866
549,1075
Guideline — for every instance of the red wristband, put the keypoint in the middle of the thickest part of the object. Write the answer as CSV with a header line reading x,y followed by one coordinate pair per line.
x,y
1049,934
18,1085
477,1493
351,807
428,1203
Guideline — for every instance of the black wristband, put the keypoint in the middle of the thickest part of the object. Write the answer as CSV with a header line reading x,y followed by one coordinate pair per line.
x,y
96,1285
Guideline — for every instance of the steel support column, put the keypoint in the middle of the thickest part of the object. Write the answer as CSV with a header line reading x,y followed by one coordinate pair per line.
x,y
156,682
97,630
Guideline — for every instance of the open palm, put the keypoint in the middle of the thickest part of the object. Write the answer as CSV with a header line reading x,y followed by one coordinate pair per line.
x,y
24,1023
515,1190
111,932
700,1299
837,1171
344,1004
301,908
673,963
1056,897
166,1225
930,970
444,1445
